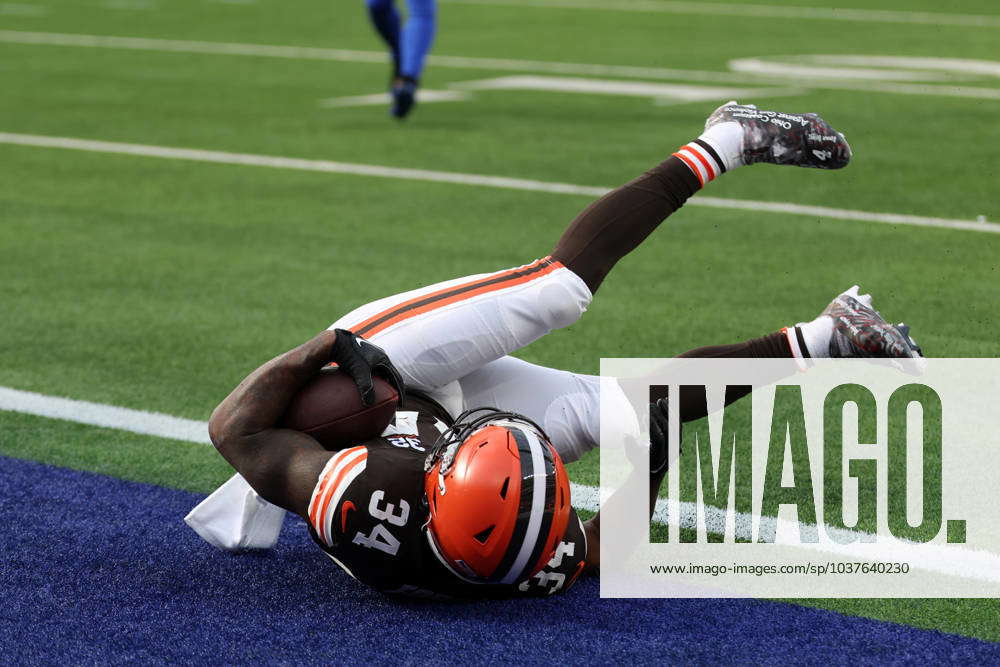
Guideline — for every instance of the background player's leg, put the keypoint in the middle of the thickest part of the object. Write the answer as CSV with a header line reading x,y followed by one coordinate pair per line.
x,y
417,38
385,19
415,43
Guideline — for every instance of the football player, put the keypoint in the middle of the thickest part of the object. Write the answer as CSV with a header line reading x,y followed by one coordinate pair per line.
x,y
457,501
408,46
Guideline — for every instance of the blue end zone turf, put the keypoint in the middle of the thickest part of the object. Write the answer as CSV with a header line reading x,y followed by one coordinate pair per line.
x,y
99,570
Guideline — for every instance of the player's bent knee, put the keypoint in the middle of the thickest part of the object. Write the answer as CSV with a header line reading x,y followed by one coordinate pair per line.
x,y
560,304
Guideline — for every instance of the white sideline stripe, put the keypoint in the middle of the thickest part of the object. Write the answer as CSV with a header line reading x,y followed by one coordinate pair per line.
x,y
501,182
753,10
106,416
950,560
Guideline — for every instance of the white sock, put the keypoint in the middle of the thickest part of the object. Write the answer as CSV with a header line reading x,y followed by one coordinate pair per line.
x,y
810,339
727,140
815,336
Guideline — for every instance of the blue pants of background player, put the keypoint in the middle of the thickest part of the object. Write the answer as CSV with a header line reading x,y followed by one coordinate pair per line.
x,y
409,46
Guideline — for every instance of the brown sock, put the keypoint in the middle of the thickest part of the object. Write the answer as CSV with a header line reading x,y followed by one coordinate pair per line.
x,y
615,224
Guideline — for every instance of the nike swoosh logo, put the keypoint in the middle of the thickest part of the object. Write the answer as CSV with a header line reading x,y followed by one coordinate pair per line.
x,y
344,509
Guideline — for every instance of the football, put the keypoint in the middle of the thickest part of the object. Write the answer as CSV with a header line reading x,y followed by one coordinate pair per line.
x,y
329,408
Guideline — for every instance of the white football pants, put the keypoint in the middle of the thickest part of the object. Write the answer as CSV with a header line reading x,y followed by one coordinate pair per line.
x,y
452,340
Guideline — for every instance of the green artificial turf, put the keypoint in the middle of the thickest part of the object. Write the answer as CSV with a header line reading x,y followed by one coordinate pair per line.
x,y
158,284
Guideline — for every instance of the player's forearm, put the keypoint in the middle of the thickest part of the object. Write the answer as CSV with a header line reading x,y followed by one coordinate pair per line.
x,y
262,397
626,495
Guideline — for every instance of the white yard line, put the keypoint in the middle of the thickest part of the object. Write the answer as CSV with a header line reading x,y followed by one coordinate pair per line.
x,y
754,10
501,182
493,64
22,9
130,5
424,96
660,93
655,90
946,559
346,55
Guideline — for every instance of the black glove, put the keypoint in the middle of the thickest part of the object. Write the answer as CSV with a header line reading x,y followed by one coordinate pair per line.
x,y
659,433
359,359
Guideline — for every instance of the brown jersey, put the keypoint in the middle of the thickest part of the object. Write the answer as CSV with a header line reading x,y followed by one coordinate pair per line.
x,y
368,513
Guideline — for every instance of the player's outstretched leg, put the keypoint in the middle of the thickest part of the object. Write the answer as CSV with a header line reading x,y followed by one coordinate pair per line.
x,y
734,136
848,327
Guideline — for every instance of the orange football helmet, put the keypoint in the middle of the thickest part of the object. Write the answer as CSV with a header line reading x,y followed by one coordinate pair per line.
x,y
498,497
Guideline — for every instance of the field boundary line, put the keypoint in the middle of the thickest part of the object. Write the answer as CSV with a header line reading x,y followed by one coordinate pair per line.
x,y
755,10
106,416
482,180
964,562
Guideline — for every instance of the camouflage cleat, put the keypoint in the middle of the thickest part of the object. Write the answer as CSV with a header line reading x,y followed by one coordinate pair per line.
x,y
802,140
859,330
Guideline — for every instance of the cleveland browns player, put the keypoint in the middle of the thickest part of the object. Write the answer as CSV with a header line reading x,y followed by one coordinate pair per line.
x,y
458,500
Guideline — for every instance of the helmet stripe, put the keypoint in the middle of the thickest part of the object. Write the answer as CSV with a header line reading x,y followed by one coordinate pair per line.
x,y
533,492
548,509
527,493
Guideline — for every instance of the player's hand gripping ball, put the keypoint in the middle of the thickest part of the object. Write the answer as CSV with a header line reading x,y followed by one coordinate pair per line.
x,y
354,402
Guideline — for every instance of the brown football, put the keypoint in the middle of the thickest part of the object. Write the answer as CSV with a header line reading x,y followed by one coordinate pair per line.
x,y
329,408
